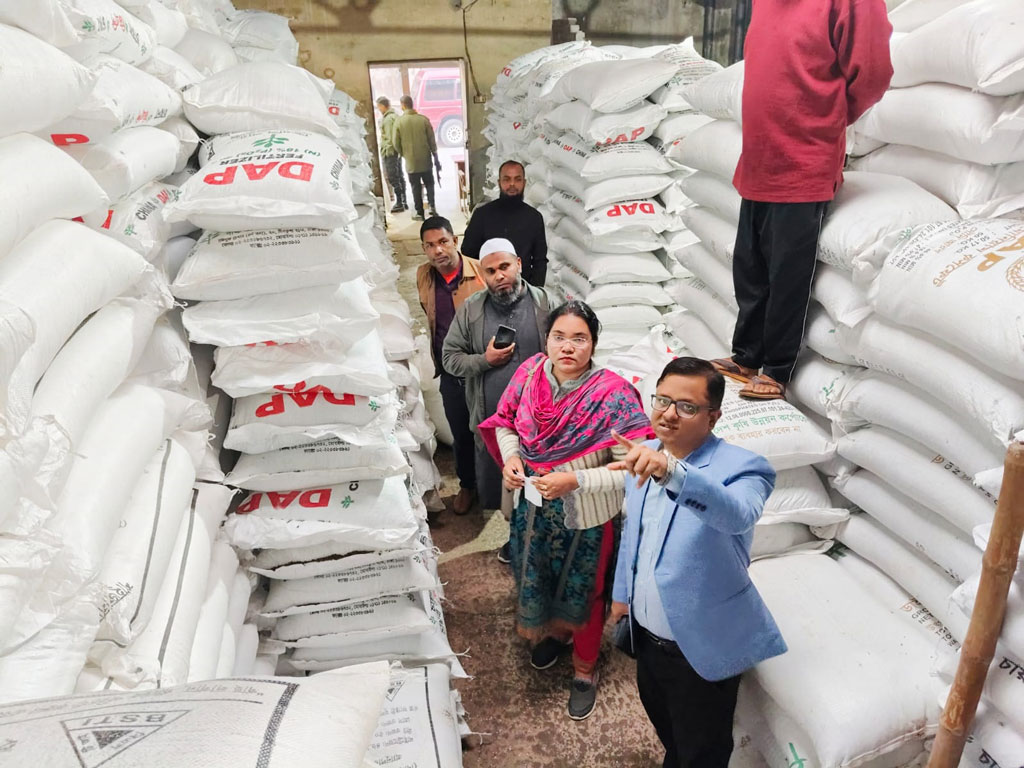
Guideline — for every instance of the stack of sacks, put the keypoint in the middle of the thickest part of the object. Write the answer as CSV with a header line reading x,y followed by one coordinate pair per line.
x,y
601,173
601,170
293,284
101,433
516,100
915,350
959,63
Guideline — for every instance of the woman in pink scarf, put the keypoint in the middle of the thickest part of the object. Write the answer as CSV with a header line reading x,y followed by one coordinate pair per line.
x,y
552,429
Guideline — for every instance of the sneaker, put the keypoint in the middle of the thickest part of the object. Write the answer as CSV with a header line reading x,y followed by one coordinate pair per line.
x,y
417,217
546,652
582,698
433,212
505,554
398,208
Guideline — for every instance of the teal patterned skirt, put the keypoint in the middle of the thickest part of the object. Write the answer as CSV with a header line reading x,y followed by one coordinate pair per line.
x,y
555,569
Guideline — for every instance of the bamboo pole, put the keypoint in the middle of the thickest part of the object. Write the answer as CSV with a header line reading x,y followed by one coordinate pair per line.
x,y
997,570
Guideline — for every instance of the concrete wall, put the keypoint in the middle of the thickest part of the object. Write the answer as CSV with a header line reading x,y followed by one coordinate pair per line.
x,y
338,37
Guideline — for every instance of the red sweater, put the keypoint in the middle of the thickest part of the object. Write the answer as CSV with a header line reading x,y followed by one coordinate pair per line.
x,y
812,67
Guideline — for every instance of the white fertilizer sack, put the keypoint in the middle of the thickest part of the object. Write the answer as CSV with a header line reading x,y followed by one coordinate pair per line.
x,y
967,125
235,265
85,271
614,86
974,190
885,674
265,722
923,529
938,484
171,68
332,590
263,423
773,429
138,220
324,462
140,550
328,313
359,368
990,403
419,720
159,655
47,84
374,619
123,96
870,211
268,180
129,159
31,197
360,515
83,27
260,95
207,52
975,45
964,283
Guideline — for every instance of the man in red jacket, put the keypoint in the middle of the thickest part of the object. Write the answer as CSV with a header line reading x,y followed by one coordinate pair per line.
x,y
812,67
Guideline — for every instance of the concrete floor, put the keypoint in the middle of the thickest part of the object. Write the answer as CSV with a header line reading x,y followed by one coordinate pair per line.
x,y
521,713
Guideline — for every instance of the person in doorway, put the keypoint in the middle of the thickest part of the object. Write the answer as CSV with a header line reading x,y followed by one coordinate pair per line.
x,y
414,141
510,217
469,352
811,70
389,156
553,430
697,621
444,283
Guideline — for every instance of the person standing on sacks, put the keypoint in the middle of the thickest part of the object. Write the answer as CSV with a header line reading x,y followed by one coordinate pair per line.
x,y
812,69
470,351
553,433
696,619
444,283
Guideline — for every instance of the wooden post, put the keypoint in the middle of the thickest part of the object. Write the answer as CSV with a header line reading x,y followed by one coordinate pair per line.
x,y
998,566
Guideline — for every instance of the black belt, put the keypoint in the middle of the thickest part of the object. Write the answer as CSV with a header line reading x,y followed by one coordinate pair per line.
x,y
661,642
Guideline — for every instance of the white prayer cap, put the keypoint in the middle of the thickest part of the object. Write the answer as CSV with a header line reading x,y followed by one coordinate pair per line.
x,y
496,245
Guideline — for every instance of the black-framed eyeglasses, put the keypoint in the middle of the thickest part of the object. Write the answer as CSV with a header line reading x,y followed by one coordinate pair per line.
x,y
684,408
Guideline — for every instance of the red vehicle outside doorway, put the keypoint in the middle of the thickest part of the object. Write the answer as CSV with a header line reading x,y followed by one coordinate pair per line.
x,y
437,93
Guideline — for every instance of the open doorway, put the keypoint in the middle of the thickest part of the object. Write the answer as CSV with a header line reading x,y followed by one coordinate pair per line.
x,y
438,91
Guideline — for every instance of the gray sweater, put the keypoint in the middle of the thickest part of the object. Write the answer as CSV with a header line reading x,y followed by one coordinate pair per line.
x,y
462,354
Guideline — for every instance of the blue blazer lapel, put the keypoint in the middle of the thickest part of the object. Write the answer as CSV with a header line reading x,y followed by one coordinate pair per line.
x,y
700,458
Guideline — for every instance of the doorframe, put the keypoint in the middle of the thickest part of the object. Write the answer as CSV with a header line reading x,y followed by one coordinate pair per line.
x,y
403,65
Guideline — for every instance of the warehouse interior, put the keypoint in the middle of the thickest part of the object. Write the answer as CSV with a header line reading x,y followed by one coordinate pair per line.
x,y
235,524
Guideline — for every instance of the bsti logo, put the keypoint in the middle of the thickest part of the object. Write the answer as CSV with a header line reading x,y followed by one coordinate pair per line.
x,y
101,737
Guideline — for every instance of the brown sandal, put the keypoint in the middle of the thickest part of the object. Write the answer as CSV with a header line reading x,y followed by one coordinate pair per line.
x,y
731,369
748,392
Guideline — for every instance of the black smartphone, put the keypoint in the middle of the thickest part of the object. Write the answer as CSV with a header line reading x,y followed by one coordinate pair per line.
x,y
504,337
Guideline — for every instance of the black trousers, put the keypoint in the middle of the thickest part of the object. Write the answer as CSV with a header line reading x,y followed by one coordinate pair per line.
x,y
427,180
453,395
488,477
772,269
395,179
693,716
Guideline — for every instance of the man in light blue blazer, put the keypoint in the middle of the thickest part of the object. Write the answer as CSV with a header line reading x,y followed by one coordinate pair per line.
x,y
697,621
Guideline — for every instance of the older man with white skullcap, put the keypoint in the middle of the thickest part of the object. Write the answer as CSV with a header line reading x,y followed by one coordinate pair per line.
x,y
475,348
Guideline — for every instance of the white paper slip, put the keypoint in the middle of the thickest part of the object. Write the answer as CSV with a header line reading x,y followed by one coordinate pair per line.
x,y
532,494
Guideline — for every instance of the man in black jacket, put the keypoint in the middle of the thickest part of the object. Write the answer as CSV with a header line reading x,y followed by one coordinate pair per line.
x,y
511,218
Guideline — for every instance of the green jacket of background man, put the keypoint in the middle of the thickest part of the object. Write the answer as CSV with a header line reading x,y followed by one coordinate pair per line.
x,y
414,141
387,133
